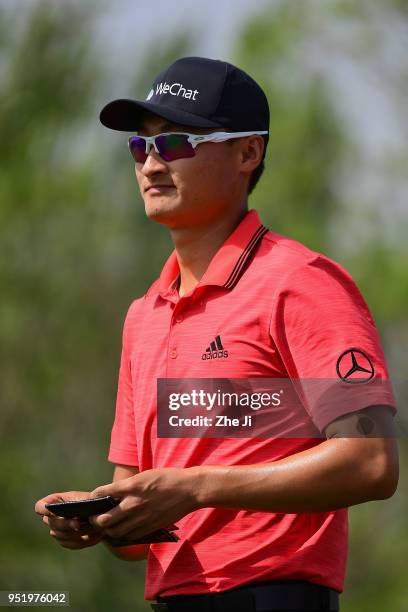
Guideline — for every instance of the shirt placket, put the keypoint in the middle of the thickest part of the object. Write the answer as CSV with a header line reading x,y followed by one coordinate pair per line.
x,y
179,307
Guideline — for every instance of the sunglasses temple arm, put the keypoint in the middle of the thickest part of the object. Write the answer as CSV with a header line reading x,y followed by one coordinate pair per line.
x,y
220,137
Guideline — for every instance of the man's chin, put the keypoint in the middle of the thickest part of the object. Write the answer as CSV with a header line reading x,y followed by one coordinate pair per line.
x,y
161,212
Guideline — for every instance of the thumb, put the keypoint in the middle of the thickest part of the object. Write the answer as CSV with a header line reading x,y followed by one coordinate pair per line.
x,y
40,508
114,489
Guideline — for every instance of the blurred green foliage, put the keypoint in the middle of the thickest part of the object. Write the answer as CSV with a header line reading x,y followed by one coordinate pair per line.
x,y
77,249
306,146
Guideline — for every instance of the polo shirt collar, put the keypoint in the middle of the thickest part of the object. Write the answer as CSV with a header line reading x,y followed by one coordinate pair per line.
x,y
228,263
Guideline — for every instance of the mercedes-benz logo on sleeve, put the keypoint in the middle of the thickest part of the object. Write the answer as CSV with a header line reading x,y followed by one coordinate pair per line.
x,y
354,366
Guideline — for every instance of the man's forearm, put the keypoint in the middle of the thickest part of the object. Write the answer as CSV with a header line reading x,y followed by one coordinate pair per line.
x,y
331,475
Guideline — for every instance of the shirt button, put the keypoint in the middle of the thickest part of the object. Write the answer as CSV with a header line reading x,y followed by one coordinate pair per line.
x,y
179,319
173,353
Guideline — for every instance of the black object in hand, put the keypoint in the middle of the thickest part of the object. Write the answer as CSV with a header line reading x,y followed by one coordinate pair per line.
x,y
84,508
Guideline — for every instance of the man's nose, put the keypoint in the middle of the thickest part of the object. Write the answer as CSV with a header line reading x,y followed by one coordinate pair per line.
x,y
153,163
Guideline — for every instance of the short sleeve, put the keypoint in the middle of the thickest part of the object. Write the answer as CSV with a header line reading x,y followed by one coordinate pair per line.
x,y
123,446
328,342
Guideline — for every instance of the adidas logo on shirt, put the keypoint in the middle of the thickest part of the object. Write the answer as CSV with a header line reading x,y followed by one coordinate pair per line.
x,y
215,350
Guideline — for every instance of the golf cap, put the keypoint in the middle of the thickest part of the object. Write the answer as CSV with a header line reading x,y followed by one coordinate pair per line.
x,y
196,91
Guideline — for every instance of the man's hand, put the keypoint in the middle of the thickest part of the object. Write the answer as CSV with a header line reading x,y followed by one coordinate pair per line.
x,y
150,500
69,533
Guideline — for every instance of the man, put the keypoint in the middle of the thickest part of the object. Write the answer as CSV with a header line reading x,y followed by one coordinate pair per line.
x,y
262,521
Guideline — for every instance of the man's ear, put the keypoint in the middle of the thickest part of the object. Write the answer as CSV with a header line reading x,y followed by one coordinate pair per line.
x,y
253,150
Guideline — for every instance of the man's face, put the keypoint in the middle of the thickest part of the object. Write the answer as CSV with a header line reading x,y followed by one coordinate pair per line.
x,y
202,187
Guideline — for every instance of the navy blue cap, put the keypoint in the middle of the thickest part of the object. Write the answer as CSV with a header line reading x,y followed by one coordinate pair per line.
x,y
196,91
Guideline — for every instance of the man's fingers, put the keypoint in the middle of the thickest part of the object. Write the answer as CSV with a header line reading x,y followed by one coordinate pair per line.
x,y
103,491
79,542
58,522
73,536
60,535
59,497
69,533
75,539
87,529
70,526
115,489
112,517
40,508
131,527
127,508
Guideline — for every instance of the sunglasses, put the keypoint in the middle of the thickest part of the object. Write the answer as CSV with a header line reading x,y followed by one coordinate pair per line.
x,y
177,145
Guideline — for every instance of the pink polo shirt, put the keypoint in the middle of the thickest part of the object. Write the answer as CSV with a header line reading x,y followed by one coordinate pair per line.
x,y
269,307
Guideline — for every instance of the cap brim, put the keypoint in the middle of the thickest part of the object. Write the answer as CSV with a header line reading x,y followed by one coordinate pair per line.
x,y
125,115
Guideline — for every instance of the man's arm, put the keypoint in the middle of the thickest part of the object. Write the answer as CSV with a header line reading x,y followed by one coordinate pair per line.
x,y
339,472
134,552
336,473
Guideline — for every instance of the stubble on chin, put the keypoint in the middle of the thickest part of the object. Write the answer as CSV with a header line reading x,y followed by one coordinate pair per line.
x,y
161,212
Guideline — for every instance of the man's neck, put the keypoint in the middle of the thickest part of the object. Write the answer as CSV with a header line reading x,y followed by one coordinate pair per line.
x,y
195,247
